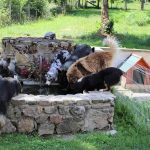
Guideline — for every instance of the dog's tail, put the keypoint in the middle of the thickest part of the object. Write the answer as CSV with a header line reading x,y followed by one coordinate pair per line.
x,y
113,43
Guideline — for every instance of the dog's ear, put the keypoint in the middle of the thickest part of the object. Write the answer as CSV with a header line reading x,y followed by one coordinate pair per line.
x,y
93,49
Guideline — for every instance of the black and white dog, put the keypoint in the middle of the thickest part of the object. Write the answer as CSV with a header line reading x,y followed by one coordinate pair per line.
x,y
59,59
80,51
103,79
9,87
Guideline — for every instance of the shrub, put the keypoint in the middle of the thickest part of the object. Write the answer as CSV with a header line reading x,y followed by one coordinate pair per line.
x,y
55,9
4,17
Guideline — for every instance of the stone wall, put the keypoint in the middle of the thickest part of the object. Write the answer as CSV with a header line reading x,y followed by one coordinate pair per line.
x,y
62,114
33,46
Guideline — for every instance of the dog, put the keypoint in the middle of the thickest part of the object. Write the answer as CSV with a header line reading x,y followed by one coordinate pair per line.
x,y
62,79
80,51
59,59
6,69
9,87
94,62
103,79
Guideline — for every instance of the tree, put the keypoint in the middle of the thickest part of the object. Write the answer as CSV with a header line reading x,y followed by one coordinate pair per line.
x,y
125,4
104,15
142,4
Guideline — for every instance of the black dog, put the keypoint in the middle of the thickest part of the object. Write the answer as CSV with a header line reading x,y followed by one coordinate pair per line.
x,y
104,79
62,79
9,87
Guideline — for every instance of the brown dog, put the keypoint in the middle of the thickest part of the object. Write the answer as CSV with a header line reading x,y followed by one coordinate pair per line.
x,y
94,62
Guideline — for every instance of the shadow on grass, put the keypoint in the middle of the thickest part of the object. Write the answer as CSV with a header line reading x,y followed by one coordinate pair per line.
x,y
126,40
92,39
85,12
132,41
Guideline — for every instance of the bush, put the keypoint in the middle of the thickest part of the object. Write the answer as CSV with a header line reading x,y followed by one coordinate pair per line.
x,y
55,9
39,8
4,17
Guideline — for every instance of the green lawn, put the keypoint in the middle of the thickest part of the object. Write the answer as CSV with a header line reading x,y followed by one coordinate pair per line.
x,y
132,27
133,133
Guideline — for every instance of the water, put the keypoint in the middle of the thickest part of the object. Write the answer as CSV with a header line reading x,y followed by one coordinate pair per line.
x,y
44,90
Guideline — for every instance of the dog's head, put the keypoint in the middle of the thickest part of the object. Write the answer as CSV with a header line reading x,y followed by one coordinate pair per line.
x,y
72,77
56,65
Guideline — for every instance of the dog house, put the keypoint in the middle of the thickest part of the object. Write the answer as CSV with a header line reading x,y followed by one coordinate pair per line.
x,y
136,73
52,114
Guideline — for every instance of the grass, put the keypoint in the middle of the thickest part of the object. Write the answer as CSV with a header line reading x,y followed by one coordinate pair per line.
x,y
131,27
133,133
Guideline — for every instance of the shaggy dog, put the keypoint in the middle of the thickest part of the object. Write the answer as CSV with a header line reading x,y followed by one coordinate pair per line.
x,y
103,79
80,51
9,87
94,62
59,59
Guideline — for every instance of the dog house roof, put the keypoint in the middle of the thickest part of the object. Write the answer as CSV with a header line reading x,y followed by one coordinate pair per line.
x,y
130,62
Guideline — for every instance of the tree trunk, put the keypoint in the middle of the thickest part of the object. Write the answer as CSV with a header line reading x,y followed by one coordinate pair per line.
x,y
98,3
79,3
142,4
85,4
104,14
125,4
10,9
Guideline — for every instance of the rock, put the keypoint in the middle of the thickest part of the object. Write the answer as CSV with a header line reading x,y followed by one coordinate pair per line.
x,y
56,119
26,125
64,45
50,35
8,128
111,132
78,112
63,110
42,118
46,129
2,121
13,113
32,111
50,109
69,125
95,119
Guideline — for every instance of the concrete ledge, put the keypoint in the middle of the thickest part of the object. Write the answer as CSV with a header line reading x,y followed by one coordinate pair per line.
x,y
62,114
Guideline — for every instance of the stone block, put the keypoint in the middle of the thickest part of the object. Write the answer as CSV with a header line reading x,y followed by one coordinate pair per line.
x,y
69,125
26,125
46,129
